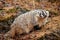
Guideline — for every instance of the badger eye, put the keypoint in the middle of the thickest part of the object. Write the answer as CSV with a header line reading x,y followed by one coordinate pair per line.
x,y
40,14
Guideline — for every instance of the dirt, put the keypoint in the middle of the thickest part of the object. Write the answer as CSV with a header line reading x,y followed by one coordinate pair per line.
x,y
50,31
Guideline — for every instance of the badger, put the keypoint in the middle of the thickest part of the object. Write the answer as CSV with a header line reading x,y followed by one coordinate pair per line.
x,y
24,23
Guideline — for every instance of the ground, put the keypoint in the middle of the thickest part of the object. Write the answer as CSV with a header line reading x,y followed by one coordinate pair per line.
x,y
50,31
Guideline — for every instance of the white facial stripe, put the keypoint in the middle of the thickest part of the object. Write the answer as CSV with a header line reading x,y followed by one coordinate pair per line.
x,y
45,12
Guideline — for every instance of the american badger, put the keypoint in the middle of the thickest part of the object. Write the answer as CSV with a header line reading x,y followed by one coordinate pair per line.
x,y
24,23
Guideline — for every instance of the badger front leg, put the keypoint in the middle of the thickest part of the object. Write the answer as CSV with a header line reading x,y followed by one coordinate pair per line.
x,y
29,28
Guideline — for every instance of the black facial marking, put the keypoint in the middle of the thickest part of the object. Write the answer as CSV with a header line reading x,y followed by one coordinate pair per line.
x,y
43,14
40,14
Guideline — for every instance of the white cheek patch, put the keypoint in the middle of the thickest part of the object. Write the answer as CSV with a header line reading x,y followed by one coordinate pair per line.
x,y
47,13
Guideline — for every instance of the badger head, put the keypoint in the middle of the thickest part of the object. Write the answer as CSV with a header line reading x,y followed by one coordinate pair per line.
x,y
42,17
